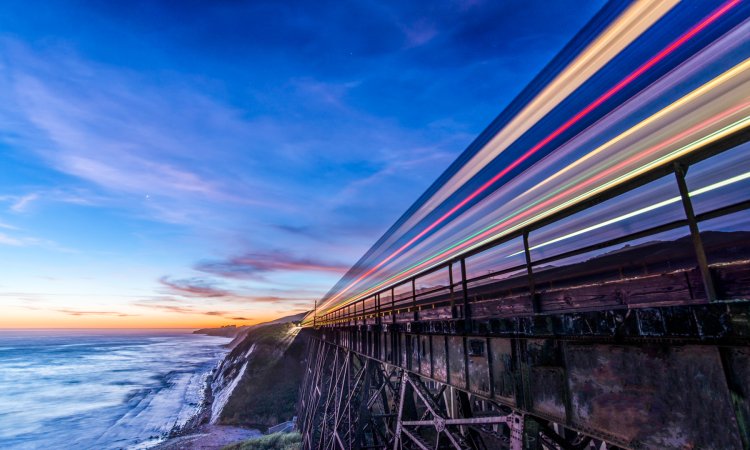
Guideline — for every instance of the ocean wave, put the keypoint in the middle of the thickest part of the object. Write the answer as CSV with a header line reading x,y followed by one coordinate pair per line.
x,y
127,392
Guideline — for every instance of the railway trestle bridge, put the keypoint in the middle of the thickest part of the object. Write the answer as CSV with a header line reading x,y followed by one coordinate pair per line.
x,y
579,278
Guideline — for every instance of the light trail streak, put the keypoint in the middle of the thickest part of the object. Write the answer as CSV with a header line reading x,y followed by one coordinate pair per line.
x,y
487,235
713,86
629,26
494,231
661,55
640,211
692,96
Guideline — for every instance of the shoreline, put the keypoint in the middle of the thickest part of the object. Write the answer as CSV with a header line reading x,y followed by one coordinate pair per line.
x,y
137,390
199,431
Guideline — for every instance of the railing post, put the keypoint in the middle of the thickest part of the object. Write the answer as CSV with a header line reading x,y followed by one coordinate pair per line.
x,y
393,306
700,252
378,320
465,288
414,298
530,273
452,291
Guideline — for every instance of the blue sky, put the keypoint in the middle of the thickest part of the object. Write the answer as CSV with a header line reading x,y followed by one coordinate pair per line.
x,y
182,163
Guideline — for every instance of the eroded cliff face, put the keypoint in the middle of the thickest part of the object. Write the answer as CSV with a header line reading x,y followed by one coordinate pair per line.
x,y
257,384
227,380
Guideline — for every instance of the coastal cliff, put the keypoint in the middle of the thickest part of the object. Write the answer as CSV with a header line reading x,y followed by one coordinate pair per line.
x,y
254,388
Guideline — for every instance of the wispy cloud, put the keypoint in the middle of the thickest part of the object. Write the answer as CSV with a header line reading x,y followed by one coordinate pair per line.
x,y
125,135
186,309
168,308
8,240
251,265
182,295
27,241
76,196
21,204
194,287
76,312
275,300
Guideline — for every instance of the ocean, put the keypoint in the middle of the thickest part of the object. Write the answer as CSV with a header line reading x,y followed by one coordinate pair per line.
x,y
100,389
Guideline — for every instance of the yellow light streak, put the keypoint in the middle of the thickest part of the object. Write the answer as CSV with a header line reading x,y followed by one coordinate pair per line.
x,y
714,84
633,22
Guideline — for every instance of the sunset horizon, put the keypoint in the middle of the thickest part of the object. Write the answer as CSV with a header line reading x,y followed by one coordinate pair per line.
x,y
154,321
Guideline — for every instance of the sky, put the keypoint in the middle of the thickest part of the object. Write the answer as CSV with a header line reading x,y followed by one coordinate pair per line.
x,y
191,164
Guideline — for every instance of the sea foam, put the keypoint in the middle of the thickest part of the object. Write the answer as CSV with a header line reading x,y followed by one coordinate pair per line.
x,y
100,389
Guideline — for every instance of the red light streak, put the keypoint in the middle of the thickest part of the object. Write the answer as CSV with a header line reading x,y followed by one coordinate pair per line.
x,y
582,185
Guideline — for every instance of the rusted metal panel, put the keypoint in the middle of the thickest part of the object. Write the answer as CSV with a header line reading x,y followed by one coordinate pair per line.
x,y
547,378
652,397
737,366
413,352
404,315
666,289
479,370
433,312
740,320
503,375
680,287
386,348
716,322
403,355
733,281
500,306
439,362
424,359
378,338
547,392
456,362
602,296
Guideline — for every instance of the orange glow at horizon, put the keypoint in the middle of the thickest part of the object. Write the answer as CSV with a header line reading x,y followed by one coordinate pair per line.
x,y
16,318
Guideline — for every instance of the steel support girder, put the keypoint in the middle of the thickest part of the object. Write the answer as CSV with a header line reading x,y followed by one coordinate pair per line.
x,y
352,401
